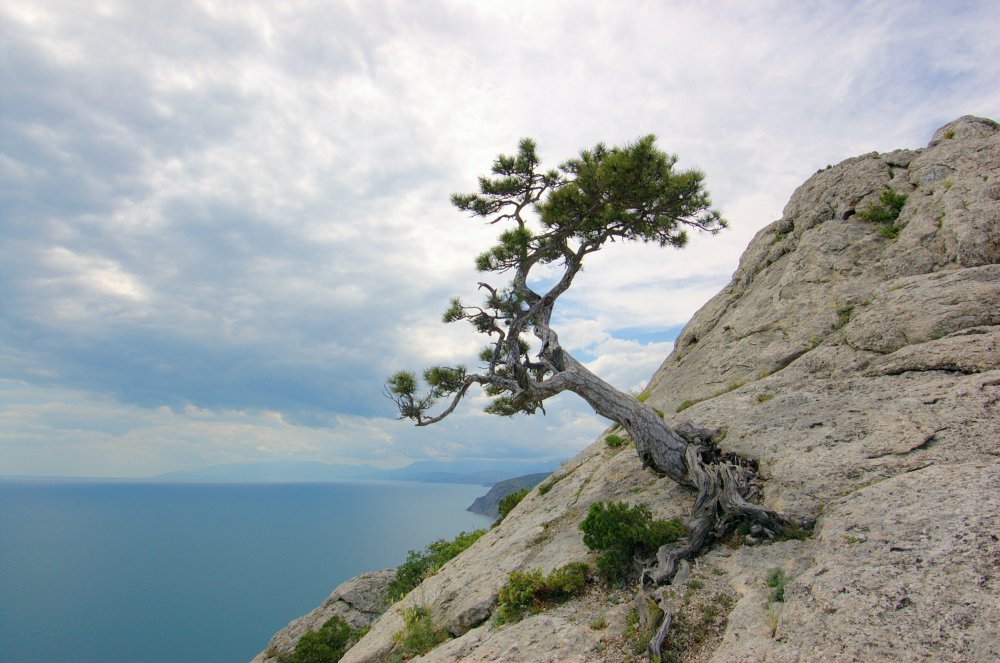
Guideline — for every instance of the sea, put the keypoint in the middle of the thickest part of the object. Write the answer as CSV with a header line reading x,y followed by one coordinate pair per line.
x,y
144,572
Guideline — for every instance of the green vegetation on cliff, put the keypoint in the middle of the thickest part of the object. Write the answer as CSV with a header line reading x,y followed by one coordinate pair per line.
x,y
622,533
424,563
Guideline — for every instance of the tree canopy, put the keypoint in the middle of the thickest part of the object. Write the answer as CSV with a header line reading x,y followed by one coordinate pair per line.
x,y
552,217
556,218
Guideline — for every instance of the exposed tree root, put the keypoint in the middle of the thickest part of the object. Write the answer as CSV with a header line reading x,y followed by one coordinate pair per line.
x,y
655,646
725,484
607,195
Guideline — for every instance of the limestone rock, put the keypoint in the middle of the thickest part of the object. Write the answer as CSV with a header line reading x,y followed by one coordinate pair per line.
x,y
542,532
862,373
356,601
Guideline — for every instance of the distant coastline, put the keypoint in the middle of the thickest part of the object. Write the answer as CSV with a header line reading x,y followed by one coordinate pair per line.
x,y
482,473
488,504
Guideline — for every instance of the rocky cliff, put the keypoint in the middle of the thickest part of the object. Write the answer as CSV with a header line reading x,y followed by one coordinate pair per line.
x,y
488,504
859,365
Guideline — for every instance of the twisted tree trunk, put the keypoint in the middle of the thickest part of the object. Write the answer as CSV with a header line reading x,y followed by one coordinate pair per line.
x,y
631,193
688,456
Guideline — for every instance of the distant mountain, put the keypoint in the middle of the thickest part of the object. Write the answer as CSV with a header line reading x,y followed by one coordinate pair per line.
x,y
273,472
486,505
484,472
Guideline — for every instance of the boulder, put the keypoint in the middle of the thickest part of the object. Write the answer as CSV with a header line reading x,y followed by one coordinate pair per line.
x,y
357,601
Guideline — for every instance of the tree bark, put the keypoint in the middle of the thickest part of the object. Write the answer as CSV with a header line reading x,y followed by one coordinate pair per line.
x,y
723,483
658,445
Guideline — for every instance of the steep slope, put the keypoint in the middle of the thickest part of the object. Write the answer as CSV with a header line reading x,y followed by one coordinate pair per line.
x,y
862,373
357,601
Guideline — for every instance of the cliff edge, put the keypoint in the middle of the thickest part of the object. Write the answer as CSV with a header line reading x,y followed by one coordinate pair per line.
x,y
858,364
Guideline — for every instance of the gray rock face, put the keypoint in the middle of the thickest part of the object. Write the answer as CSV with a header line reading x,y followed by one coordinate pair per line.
x,y
357,602
862,373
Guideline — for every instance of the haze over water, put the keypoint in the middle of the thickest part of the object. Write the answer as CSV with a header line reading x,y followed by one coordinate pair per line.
x,y
184,573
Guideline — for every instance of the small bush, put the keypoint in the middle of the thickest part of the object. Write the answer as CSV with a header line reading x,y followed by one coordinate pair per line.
x,y
614,441
567,580
529,591
890,232
776,580
547,485
844,315
621,532
793,532
519,595
421,564
885,213
327,645
508,502
418,635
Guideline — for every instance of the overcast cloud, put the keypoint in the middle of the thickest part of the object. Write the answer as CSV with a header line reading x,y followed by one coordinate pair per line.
x,y
224,224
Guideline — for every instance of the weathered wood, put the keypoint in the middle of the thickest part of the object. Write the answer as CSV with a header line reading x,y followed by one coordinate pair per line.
x,y
655,646
657,205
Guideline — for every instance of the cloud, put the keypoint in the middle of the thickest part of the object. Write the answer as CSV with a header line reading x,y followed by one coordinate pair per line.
x,y
242,208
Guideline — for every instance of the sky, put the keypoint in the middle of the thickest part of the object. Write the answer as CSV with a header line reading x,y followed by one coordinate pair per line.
x,y
223,225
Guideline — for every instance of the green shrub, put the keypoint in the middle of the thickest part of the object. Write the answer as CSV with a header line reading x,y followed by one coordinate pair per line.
x,y
885,213
891,232
519,595
792,532
843,315
508,502
547,485
621,532
614,441
530,591
421,564
776,580
418,635
642,396
567,580
326,645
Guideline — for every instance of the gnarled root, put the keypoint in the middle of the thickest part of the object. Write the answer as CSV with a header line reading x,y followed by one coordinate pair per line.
x,y
723,487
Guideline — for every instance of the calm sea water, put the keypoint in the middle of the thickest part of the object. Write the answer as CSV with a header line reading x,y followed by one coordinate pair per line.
x,y
191,573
